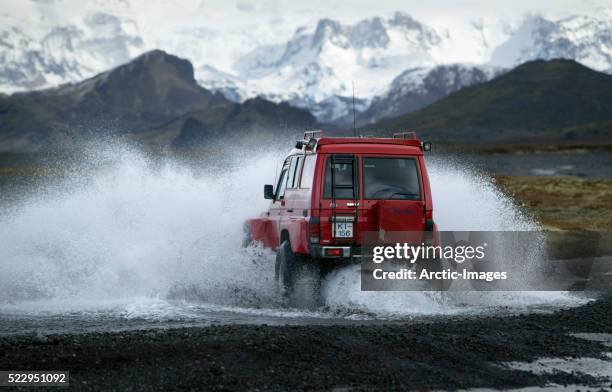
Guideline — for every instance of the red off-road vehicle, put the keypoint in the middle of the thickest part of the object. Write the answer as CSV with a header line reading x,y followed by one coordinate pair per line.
x,y
331,192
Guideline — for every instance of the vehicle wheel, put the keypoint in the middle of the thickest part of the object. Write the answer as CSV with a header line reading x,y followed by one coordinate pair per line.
x,y
284,268
307,285
246,236
298,278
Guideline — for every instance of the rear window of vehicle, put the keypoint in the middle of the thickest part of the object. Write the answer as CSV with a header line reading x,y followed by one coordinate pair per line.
x,y
391,178
345,177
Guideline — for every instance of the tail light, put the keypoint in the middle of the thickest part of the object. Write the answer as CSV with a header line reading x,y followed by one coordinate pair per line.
x,y
333,252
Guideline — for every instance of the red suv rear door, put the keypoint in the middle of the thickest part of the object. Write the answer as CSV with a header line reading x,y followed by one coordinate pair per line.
x,y
393,203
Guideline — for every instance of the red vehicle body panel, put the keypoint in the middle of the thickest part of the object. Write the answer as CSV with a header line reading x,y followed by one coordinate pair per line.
x,y
305,206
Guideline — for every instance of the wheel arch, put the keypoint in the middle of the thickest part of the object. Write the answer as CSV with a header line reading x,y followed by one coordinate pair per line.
x,y
297,235
262,230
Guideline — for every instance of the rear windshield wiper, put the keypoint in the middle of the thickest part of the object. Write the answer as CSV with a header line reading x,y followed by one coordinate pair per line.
x,y
408,195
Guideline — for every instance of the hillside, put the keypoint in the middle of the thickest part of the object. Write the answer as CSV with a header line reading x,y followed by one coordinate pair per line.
x,y
147,94
539,100
254,121
417,88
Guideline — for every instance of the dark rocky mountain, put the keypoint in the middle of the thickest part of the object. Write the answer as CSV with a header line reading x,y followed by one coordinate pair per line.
x,y
141,98
551,100
416,88
254,121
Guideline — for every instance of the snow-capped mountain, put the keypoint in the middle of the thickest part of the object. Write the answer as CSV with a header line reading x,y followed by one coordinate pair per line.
x,y
67,53
587,40
323,61
395,63
317,67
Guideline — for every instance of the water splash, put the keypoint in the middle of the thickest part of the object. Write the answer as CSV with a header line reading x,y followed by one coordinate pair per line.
x,y
465,199
126,228
132,228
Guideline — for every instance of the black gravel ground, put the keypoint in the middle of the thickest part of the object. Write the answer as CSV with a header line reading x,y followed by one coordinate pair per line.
x,y
445,354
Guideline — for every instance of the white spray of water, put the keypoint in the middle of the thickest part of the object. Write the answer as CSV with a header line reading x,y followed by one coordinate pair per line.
x,y
134,230
131,230
464,200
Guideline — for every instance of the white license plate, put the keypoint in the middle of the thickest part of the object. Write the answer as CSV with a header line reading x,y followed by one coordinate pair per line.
x,y
343,230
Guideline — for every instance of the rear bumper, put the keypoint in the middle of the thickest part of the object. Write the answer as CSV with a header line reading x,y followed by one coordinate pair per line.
x,y
346,252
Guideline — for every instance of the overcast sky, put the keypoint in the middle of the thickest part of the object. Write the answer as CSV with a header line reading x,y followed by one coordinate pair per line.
x,y
230,13
357,9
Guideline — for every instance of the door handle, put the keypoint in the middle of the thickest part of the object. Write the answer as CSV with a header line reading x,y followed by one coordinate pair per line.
x,y
290,210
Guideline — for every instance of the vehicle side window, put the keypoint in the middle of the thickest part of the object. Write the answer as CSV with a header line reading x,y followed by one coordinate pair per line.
x,y
345,177
282,183
291,172
296,162
308,171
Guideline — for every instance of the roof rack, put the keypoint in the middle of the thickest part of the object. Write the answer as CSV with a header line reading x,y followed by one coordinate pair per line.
x,y
313,134
405,135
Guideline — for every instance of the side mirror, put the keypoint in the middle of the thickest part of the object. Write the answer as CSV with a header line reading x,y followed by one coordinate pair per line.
x,y
426,146
268,192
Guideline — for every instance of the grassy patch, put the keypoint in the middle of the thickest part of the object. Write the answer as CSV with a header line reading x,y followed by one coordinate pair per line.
x,y
563,202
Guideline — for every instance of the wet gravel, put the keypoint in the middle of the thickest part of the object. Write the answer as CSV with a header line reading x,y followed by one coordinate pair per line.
x,y
452,353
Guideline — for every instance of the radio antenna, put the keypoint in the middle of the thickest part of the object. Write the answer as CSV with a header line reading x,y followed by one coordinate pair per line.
x,y
354,127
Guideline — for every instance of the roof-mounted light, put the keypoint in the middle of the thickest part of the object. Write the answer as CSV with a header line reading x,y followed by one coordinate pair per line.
x,y
312,143
313,134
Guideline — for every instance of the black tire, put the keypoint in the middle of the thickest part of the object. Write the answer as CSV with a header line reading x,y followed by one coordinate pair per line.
x,y
284,268
298,278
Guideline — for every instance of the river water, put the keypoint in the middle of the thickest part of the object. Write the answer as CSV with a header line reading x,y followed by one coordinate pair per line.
x,y
133,243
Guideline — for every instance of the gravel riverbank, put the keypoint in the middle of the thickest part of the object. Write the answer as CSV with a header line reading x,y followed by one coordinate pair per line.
x,y
451,353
